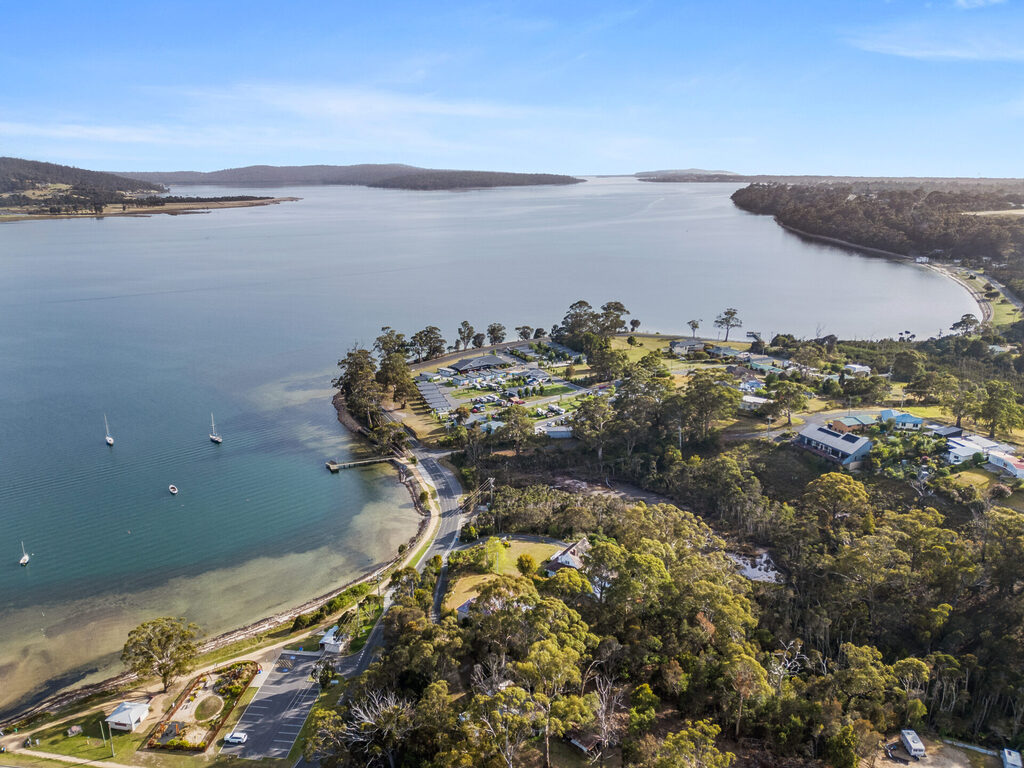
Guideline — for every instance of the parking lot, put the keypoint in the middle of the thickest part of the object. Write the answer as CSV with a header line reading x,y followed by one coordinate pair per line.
x,y
273,719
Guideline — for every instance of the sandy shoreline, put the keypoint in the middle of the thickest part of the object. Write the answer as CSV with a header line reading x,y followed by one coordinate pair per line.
x,y
984,305
149,210
426,525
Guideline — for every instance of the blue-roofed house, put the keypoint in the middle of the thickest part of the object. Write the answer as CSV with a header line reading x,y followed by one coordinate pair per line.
x,y
845,449
902,420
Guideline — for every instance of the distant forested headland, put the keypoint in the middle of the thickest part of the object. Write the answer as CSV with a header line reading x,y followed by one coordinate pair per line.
x,y
979,223
29,188
388,176
17,175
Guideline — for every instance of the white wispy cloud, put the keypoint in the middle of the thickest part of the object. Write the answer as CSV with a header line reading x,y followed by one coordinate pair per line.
x,y
969,4
127,134
261,118
356,103
943,42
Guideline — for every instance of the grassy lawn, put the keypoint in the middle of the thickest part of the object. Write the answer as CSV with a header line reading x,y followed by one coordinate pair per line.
x,y
420,553
645,345
422,422
563,754
308,643
551,390
362,634
979,478
934,412
1004,313
88,745
982,479
234,650
467,586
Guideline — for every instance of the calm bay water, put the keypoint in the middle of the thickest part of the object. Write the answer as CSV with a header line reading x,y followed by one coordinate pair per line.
x,y
159,321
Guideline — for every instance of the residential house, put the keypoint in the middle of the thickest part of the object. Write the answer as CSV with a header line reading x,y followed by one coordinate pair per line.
x,y
685,346
570,557
960,449
1008,463
723,352
902,420
763,367
555,431
846,450
947,432
128,715
851,423
775,362
463,610
855,369
749,386
754,403
482,362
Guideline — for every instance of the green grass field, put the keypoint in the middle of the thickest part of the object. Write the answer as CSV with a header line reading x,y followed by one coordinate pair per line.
x,y
88,745
467,586
1004,313
308,643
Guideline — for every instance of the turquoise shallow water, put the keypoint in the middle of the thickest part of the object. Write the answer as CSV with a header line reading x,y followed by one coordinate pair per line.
x,y
158,321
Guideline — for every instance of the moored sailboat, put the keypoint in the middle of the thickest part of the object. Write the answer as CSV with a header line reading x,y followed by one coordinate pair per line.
x,y
24,555
214,435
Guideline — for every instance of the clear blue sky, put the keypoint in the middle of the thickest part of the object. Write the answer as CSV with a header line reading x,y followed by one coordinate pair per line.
x,y
766,86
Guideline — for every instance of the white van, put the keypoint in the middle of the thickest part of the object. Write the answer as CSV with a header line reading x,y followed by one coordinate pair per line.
x,y
912,743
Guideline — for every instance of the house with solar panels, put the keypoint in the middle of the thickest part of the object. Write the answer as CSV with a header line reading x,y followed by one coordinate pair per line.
x,y
843,448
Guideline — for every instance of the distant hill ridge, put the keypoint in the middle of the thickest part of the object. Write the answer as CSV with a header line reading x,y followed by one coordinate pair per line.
x,y
684,172
390,176
18,175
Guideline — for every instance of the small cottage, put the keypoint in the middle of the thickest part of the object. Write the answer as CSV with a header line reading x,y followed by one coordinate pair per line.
x,y
128,715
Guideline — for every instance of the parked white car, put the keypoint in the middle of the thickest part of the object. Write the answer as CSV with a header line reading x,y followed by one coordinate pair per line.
x,y
236,737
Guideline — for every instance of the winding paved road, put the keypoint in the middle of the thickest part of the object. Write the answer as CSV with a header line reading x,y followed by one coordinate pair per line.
x,y
445,538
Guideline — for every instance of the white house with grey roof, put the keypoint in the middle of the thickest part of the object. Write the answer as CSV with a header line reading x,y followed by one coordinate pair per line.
x,y
960,449
843,448
128,715
570,557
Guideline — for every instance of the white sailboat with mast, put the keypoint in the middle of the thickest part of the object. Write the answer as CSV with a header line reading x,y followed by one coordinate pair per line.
x,y
24,555
110,439
214,435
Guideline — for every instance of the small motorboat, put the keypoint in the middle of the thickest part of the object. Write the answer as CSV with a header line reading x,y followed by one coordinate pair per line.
x,y
24,555
173,489
110,439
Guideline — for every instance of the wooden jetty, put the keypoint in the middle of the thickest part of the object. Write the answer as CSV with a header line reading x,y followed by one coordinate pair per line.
x,y
335,466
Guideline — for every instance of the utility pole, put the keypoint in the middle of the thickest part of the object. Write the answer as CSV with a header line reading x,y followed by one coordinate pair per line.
x,y
110,737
